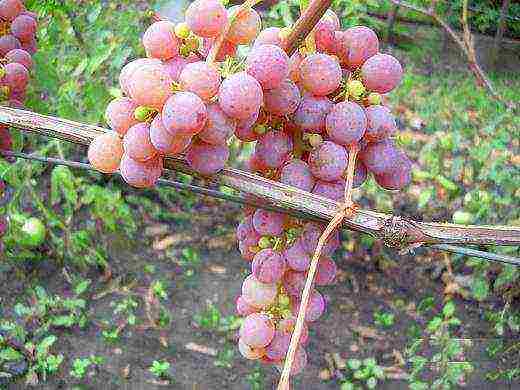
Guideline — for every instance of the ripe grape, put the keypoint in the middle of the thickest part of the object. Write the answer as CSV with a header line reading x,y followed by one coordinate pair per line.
x,y
30,46
311,234
278,347
150,85
184,114
139,174
268,223
16,76
245,228
245,129
24,27
315,308
294,66
268,266
273,148
381,123
249,352
356,45
120,115
287,326
175,66
206,18
296,257
240,96
399,176
248,246
269,36
283,100
328,161
243,308
269,65
164,142
258,294
294,283
137,143
381,73
299,362
105,152
227,49
324,32
257,330
219,127
20,56
10,9
379,157
255,164
160,42
334,190
128,70
320,74
312,112
207,159
326,272
7,43
245,27
200,78
346,123
296,173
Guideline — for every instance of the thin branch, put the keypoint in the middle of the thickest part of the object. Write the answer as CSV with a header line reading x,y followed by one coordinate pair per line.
x,y
393,230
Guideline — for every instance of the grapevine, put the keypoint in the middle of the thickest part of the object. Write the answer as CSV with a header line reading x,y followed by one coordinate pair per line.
x,y
17,45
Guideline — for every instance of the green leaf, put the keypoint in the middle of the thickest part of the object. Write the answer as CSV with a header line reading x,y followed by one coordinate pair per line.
x,y
425,197
449,309
508,275
81,287
434,324
43,347
62,183
10,354
480,288
354,364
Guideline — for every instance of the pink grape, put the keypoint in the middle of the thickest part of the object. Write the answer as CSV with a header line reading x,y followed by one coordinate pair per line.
x,y
315,308
324,32
245,129
320,74
258,294
381,73
206,18
16,76
30,46
283,100
141,175
257,330
296,173
287,326
219,127
296,257
299,362
240,96
128,70
164,142
160,42
268,223
269,36
311,234
294,66
312,113
381,123
268,266
245,228
360,174
294,283
278,347
150,85
207,159
248,246
399,176
326,273
244,308
175,66
356,45
20,56
249,352
184,114
24,27
227,49
245,27
269,65
200,78
137,143
7,43
346,123
120,115
10,9
334,190
105,152
379,157
273,148
328,161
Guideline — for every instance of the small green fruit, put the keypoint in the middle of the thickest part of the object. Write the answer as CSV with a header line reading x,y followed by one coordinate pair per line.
x,y
182,30
375,99
461,217
33,232
355,89
265,242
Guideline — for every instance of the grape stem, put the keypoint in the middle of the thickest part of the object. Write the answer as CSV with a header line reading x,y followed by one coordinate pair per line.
x,y
215,48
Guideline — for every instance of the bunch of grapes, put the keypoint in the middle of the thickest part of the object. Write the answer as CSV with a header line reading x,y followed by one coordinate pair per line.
x,y
17,45
307,114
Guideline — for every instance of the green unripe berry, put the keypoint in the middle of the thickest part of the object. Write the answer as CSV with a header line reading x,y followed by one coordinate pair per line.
x,y
355,88
143,114
33,231
182,30
314,140
461,217
265,242
375,99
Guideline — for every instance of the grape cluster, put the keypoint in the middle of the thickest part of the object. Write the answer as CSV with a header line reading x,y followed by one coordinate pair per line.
x,y
17,45
307,114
